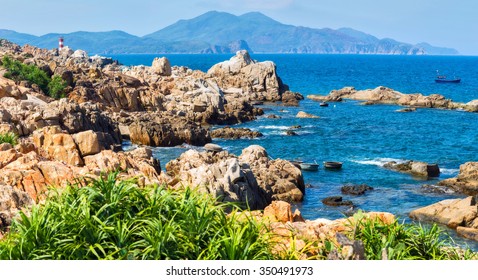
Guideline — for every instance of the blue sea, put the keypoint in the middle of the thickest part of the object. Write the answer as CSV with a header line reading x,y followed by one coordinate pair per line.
x,y
362,137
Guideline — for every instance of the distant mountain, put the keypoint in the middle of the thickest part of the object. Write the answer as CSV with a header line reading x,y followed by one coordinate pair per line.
x,y
219,32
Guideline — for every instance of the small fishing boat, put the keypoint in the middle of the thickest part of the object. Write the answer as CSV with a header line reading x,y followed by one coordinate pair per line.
x,y
332,164
324,104
444,79
296,163
309,166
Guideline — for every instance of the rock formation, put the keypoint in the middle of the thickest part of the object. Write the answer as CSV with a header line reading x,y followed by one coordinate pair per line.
x,y
292,232
467,180
235,133
252,178
257,81
458,214
416,168
304,115
384,95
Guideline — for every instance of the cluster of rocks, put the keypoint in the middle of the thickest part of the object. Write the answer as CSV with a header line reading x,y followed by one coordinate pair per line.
x,y
171,98
467,180
415,168
384,95
292,232
157,105
458,214
348,189
251,178
235,133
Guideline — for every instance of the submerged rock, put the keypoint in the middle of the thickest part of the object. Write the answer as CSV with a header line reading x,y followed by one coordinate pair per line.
x,y
305,115
235,133
336,201
355,189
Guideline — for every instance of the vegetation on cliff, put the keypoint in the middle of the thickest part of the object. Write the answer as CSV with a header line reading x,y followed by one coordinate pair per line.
x,y
54,86
9,137
108,218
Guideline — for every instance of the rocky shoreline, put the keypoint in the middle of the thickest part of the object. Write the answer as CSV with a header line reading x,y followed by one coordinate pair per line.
x,y
384,95
159,105
81,136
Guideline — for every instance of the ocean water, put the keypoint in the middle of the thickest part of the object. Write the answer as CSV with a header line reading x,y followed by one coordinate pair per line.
x,y
362,137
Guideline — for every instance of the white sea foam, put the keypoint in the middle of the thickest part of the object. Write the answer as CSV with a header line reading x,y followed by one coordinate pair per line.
x,y
281,127
378,161
449,171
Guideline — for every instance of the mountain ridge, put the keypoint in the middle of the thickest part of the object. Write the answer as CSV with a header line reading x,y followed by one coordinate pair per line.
x,y
221,32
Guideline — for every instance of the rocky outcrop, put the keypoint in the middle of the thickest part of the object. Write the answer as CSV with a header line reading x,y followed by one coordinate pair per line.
x,y
252,178
12,200
291,232
356,189
280,179
384,95
458,214
26,116
304,115
235,133
467,180
165,130
416,168
54,157
336,201
248,78
161,66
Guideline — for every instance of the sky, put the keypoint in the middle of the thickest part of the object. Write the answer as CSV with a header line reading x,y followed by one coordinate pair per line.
x,y
444,23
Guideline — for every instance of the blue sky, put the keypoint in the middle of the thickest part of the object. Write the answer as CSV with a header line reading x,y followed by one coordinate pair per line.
x,y
439,22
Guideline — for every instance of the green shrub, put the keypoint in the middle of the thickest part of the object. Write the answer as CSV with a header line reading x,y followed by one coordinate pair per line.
x,y
111,219
54,87
9,137
405,241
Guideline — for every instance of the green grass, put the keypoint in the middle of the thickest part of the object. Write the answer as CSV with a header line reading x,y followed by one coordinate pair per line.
x,y
54,86
9,137
115,219
109,218
399,241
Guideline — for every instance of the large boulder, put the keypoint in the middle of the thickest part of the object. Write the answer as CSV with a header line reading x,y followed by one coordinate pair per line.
x,y
163,132
220,174
304,115
251,178
280,179
467,180
254,80
12,200
56,144
416,168
161,66
460,214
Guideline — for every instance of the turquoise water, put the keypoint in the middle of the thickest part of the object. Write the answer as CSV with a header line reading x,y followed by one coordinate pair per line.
x,y
362,137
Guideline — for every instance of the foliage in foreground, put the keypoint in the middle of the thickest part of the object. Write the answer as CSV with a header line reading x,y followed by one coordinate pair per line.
x,y
398,241
9,137
54,87
110,219
107,218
